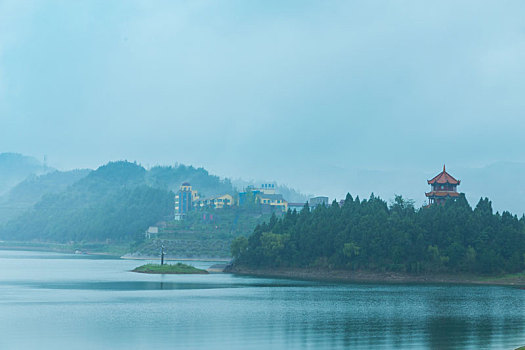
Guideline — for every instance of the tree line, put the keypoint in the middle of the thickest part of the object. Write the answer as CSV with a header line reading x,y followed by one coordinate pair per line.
x,y
373,235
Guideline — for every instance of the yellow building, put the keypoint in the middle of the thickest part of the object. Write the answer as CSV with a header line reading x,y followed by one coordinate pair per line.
x,y
274,200
217,202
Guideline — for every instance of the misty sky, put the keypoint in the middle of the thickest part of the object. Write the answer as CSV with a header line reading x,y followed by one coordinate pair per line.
x,y
292,91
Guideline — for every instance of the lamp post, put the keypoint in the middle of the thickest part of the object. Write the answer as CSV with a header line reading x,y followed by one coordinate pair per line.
x,y
162,254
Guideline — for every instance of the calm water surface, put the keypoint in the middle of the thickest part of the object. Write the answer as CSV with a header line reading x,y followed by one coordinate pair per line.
x,y
59,301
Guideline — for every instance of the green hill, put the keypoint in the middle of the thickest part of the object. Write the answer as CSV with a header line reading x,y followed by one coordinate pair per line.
x,y
28,192
110,203
114,203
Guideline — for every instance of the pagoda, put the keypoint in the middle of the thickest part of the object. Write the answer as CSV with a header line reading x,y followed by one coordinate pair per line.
x,y
443,188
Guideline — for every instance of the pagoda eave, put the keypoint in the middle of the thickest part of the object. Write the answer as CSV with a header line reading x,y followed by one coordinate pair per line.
x,y
430,182
441,194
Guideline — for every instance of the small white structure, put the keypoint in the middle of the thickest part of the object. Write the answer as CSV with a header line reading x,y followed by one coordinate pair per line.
x,y
152,230
179,216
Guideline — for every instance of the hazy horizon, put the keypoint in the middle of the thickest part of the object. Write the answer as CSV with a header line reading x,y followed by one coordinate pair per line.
x,y
313,95
494,181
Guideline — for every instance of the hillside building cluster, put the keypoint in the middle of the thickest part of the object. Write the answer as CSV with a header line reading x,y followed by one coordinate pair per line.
x,y
443,188
266,196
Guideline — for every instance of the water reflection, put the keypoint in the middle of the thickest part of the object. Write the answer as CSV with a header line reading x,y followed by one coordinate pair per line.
x,y
370,319
150,285
100,304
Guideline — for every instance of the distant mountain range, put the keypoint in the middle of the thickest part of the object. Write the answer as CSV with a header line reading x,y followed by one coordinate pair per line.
x,y
25,182
115,201
15,167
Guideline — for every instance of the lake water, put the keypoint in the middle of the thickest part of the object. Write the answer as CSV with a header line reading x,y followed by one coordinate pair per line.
x,y
60,301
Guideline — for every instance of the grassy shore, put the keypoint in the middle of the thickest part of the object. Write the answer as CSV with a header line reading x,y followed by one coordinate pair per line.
x,y
378,277
178,268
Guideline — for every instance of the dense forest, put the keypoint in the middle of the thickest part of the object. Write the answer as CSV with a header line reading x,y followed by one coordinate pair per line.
x,y
372,235
116,202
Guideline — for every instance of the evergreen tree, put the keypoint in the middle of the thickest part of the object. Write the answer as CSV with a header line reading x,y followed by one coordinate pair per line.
x,y
372,235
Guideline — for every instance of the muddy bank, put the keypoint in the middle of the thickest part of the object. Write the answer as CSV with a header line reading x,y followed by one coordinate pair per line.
x,y
377,277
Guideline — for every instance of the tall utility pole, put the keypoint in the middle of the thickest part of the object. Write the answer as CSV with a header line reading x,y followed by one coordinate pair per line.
x,y
162,254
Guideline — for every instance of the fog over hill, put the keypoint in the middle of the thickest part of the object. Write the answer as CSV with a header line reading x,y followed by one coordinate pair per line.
x,y
267,90
501,182
15,167
324,97
112,202
117,201
31,190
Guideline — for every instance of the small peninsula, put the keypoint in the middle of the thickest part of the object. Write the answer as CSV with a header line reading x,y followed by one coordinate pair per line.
x,y
178,268
370,240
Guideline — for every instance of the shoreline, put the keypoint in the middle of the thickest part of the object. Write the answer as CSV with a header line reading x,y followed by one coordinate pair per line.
x,y
61,248
310,274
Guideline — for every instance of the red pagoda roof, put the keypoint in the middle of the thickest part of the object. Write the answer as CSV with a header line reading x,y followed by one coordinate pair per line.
x,y
442,194
443,178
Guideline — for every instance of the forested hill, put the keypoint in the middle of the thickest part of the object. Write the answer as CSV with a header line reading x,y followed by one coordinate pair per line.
x,y
118,201
170,178
371,235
